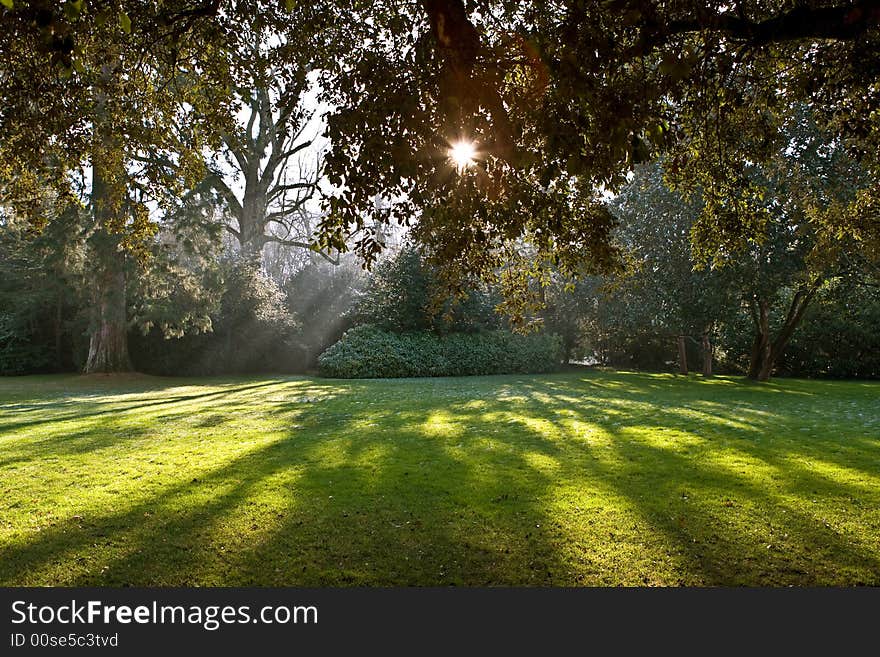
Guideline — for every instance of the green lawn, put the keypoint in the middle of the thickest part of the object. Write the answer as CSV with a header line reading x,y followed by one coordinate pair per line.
x,y
582,478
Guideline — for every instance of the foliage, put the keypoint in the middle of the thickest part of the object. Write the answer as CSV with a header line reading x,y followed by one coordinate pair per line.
x,y
562,102
664,281
114,99
40,291
179,287
366,352
251,330
839,337
568,305
670,289
322,299
560,106
406,293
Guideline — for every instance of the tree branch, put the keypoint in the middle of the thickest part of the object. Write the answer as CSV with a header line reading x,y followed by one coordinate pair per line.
x,y
843,22
228,195
237,153
459,47
280,189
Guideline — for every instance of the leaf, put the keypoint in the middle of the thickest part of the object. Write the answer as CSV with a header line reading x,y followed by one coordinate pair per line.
x,y
289,4
72,9
7,3
125,22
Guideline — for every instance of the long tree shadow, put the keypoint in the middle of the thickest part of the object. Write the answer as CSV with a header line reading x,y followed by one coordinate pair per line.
x,y
94,407
167,545
506,481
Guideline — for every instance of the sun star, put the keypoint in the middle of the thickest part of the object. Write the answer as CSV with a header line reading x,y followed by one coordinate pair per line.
x,y
463,154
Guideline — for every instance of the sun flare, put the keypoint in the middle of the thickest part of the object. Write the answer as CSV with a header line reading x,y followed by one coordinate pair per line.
x,y
463,153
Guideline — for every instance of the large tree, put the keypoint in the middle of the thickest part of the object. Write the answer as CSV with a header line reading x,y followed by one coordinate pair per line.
x,y
676,289
663,292
129,96
268,171
277,186
559,99
105,104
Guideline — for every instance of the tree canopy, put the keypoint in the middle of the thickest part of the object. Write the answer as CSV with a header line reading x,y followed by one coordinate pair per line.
x,y
560,99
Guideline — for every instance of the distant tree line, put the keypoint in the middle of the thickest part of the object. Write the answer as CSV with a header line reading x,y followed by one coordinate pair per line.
x,y
199,309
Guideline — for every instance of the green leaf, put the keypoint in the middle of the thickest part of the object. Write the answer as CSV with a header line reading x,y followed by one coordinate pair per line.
x,y
72,9
7,3
125,22
289,4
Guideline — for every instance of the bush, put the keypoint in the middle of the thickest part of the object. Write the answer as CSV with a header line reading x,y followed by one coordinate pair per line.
x,y
405,294
251,331
366,352
839,337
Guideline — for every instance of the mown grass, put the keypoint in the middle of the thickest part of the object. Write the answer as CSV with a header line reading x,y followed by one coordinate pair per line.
x,y
583,478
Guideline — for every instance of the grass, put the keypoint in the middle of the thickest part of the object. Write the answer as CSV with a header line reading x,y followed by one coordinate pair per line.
x,y
582,478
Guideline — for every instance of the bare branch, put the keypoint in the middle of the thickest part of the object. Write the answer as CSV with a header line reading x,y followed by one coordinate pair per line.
x,y
228,195
280,189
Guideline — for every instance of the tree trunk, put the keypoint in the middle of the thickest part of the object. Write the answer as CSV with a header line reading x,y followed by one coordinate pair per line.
x,y
707,355
252,224
760,356
108,339
682,356
765,354
766,368
799,303
108,342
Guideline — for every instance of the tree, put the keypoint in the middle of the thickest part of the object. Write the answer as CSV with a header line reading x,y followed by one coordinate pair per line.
x,y
267,152
676,292
405,294
662,283
810,178
40,289
124,101
839,336
568,308
561,100
558,103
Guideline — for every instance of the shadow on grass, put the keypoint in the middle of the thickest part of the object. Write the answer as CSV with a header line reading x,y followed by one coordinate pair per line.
x,y
93,407
618,479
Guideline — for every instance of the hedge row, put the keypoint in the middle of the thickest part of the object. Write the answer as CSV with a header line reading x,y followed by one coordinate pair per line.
x,y
366,352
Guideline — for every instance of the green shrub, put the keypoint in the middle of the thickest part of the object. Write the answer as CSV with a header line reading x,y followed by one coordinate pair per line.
x,y
366,352
405,294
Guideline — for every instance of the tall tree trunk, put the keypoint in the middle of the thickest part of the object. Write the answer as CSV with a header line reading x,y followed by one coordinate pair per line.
x,y
761,343
707,355
108,339
766,353
766,369
252,224
682,356
108,342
